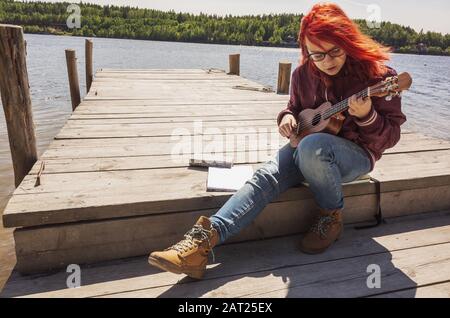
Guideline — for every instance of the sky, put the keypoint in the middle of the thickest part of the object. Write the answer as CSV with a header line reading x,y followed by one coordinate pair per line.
x,y
430,15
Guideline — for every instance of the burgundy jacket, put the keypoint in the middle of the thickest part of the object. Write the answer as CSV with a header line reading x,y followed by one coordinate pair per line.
x,y
375,133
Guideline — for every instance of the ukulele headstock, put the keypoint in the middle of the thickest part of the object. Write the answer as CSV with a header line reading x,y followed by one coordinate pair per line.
x,y
392,86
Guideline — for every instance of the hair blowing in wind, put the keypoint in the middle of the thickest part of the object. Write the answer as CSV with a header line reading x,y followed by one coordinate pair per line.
x,y
328,22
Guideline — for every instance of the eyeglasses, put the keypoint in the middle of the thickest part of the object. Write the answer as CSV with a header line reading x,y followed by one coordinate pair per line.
x,y
335,52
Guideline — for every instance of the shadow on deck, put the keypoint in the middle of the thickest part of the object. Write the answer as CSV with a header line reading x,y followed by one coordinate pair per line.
x,y
412,252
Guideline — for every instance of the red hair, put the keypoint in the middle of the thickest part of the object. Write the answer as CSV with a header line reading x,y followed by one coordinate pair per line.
x,y
328,22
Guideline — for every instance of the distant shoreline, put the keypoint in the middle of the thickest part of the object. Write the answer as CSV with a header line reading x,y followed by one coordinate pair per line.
x,y
267,30
291,46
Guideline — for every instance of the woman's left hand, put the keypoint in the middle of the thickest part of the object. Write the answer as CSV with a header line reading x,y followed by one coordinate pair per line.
x,y
359,107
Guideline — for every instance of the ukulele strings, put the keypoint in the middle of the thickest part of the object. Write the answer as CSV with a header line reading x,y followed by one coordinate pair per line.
x,y
338,107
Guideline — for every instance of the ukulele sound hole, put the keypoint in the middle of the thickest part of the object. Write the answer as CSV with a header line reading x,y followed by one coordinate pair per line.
x,y
316,119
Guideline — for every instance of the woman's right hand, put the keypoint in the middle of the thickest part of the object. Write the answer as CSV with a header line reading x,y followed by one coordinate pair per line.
x,y
287,125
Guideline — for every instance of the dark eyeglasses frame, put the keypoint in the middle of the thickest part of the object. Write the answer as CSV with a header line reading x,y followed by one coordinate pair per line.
x,y
324,54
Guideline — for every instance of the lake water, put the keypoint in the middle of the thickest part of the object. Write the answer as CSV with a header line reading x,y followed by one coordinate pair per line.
x,y
426,105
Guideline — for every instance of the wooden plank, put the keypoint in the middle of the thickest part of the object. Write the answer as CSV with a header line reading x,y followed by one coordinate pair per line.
x,y
431,168
438,290
218,96
119,73
144,90
389,167
162,120
404,233
177,88
93,104
205,87
74,130
165,145
144,162
399,269
152,70
166,129
164,76
249,122
180,115
412,201
168,78
184,110
205,83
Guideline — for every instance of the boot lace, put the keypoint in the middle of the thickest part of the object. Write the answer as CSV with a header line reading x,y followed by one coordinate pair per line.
x,y
191,238
322,224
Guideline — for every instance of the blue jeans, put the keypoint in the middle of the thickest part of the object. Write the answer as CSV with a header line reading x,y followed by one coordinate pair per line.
x,y
323,160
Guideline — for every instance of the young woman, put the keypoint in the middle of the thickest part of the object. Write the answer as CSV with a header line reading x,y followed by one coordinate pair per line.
x,y
337,62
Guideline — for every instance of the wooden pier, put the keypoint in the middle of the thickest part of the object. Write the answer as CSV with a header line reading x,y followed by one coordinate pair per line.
x,y
110,189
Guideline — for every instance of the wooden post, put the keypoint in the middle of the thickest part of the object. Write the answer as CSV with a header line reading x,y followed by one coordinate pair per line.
x,y
89,67
284,77
234,64
15,91
71,61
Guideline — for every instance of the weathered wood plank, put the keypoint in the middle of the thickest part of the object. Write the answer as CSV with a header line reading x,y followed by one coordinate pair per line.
x,y
144,162
167,78
389,167
165,145
194,98
220,104
167,120
152,84
164,76
144,89
136,93
141,123
166,129
400,269
74,130
151,70
405,167
438,290
192,110
404,233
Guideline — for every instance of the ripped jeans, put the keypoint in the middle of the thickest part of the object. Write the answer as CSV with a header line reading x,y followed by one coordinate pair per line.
x,y
322,160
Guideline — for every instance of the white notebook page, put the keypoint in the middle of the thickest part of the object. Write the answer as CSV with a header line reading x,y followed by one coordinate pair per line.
x,y
228,179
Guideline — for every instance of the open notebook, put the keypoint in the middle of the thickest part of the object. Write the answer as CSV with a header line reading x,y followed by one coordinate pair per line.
x,y
228,179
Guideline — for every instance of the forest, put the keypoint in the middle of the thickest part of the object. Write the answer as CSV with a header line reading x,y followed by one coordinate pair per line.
x,y
148,24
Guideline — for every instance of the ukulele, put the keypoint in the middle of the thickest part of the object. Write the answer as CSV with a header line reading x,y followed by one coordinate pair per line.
x,y
329,118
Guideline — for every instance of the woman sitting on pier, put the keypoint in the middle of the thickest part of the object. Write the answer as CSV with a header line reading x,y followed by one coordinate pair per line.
x,y
338,60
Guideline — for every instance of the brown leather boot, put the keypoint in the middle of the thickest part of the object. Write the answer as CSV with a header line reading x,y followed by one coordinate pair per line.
x,y
325,230
190,255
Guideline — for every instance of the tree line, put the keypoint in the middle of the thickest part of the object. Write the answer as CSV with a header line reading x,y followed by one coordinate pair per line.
x,y
148,24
